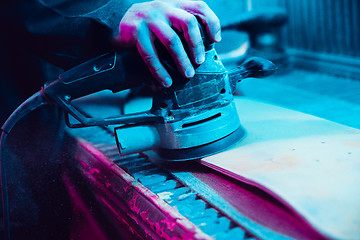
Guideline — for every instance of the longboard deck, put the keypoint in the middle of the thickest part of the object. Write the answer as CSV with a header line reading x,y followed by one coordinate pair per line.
x,y
310,164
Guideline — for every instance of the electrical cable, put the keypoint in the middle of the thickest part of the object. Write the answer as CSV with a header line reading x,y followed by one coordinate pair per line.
x,y
25,108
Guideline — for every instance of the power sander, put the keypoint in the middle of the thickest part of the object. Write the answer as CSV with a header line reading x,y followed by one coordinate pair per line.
x,y
190,120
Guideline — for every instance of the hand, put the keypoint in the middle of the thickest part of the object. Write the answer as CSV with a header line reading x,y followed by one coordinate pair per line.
x,y
145,22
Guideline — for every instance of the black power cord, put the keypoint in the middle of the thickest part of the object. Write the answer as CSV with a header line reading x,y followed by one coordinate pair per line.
x,y
25,108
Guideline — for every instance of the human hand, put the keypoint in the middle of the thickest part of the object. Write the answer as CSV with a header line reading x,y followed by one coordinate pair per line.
x,y
145,22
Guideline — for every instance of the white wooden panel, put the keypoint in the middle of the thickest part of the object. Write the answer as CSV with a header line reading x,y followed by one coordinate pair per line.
x,y
310,164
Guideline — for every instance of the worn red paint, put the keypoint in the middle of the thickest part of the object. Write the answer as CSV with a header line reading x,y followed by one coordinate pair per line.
x,y
126,188
144,206
94,170
132,204
145,214
169,223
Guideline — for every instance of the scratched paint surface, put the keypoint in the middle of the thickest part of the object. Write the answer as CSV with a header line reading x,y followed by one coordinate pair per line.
x,y
308,163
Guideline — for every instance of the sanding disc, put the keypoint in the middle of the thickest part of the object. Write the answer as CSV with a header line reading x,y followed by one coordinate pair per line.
x,y
205,150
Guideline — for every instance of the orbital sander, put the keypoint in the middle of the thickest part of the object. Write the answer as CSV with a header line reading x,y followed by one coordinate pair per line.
x,y
190,120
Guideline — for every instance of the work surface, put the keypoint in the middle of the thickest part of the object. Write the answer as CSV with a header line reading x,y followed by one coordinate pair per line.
x,y
308,163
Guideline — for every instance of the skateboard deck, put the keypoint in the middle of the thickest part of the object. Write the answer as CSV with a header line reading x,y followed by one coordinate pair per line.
x,y
310,164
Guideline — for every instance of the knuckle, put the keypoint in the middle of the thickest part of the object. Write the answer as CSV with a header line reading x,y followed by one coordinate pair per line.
x,y
195,43
184,62
150,15
172,40
199,44
157,4
201,5
191,21
215,21
150,60
145,11
134,6
157,70
128,33
126,27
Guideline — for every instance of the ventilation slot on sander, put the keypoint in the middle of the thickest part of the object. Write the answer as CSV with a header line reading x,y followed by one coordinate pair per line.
x,y
201,121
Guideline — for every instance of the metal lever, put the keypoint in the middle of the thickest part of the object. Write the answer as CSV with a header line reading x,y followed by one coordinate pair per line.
x,y
255,67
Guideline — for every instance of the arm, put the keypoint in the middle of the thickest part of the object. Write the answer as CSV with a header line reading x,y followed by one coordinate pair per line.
x,y
64,32
67,32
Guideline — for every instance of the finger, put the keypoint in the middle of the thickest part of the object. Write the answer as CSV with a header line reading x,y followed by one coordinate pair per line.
x,y
147,52
173,44
207,16
188,25
126,36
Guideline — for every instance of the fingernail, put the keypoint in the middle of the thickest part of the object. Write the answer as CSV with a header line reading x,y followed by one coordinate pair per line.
x,y
167,83
200,58
218,36
190,72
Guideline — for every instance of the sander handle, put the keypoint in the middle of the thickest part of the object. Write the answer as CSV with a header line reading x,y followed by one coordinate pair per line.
x,y
112,71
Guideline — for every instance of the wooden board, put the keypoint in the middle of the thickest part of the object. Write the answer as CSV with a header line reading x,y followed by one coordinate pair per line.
x,y
310,164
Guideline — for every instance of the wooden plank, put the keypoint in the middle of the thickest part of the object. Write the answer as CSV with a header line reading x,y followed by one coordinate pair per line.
x,y
127,202
308,163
